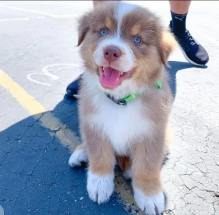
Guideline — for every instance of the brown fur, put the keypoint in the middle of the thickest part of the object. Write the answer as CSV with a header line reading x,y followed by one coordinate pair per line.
x,y
89,28
100,153
85,110
124,163
168,43
146,163
136,29
156,46
108,22
147,152
153,46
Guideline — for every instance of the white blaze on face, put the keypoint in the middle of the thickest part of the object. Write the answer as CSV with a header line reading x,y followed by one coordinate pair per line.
x,y
126,60
123,9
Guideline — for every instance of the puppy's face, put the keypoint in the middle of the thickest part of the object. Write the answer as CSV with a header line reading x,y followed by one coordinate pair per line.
x,y
123,45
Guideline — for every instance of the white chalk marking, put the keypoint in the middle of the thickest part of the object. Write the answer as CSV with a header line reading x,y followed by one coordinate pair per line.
x,y
2,20
30,11
15,19
29,77
39,17
67,16
46,71
42,13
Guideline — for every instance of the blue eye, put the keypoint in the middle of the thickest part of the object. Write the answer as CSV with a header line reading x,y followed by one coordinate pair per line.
x,y
137,40
103,32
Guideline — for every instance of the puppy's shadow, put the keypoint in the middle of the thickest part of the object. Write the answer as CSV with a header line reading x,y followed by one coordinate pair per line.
x,y
176,66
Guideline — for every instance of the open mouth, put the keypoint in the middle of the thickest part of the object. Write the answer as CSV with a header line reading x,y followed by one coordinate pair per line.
x,y
110,77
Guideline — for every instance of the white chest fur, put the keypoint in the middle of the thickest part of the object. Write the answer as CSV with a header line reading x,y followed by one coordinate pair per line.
x,y
121,124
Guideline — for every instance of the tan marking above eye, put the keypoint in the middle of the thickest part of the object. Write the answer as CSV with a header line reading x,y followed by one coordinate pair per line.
x,y
108,22
136,29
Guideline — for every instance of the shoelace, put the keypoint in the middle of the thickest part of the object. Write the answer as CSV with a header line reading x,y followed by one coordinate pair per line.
x,y
187,41
189,36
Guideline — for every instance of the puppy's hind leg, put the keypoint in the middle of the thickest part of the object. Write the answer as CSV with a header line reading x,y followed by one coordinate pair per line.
x,y
78,156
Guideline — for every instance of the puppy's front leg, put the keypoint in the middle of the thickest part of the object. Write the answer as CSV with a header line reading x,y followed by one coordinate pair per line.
x,y
78,156
100,181
146,163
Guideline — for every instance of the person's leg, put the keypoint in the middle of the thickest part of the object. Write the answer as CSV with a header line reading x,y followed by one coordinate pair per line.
x,y
95,3
179,10
180,7
192,51
73,87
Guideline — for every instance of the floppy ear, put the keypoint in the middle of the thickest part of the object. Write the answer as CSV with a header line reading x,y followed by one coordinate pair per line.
x,y
83,28
168,43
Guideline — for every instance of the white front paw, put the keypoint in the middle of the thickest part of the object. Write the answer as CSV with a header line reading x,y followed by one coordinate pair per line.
x,y
100,188
150,205
77,157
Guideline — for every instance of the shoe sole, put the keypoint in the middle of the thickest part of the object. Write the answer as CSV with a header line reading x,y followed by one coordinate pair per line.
x,y
71,95
76,96
189,60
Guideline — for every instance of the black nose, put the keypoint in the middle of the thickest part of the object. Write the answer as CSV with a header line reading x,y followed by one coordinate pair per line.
x,y
112,53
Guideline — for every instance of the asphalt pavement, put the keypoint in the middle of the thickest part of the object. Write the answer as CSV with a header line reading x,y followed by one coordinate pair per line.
x,y
39,125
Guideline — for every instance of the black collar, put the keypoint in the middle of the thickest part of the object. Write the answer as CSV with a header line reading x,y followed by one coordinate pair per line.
x,y
122,101
158,85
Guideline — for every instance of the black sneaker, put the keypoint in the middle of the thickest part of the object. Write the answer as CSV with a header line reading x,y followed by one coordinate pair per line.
x,y
191,49
73,87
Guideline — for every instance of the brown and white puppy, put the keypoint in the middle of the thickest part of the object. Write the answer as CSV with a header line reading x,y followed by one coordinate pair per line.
x,y
124,49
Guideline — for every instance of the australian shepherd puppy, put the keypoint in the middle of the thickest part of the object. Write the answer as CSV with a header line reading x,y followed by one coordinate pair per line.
x,y
125,101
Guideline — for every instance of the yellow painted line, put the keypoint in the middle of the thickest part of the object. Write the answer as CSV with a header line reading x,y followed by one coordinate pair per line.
x,y
20,94
65,135
61,131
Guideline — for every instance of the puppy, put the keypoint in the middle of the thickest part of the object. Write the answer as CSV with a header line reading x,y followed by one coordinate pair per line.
x,y
125,101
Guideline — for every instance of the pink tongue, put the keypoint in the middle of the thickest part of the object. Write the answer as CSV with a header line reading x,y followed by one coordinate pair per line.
x,y
110,77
